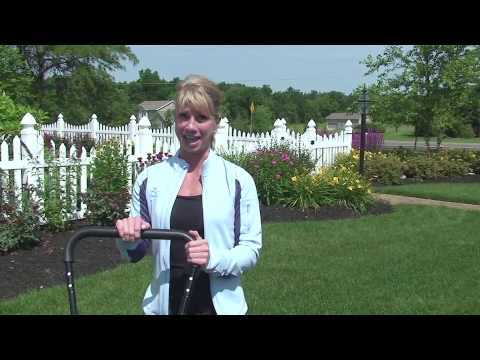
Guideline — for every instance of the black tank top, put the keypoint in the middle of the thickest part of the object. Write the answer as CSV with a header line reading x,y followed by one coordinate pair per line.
x,y
187,214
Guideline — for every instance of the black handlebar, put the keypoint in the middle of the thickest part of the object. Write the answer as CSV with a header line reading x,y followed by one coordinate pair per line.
x,y
111,232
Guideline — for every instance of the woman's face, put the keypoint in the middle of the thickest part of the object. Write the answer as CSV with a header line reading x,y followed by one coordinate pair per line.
x,y
195,129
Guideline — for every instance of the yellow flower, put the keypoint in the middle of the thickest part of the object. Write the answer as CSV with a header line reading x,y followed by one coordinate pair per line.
x,y
357,181
335,179
294,179
359,186
369,191
350,188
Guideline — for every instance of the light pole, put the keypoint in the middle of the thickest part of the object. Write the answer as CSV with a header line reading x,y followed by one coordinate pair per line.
x,y
364,109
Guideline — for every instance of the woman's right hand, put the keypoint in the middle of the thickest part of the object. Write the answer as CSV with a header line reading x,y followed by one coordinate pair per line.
x,y
129,228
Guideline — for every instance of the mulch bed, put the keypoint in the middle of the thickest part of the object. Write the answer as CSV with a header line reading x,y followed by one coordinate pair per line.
x,y
43,266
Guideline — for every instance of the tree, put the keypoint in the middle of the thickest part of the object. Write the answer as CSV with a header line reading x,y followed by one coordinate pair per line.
x,y
87,91
429,76
150,87
15,76
263,119
11,114
62,60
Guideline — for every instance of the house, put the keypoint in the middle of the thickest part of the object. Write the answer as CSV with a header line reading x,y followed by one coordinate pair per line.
x,y
160,113
336,121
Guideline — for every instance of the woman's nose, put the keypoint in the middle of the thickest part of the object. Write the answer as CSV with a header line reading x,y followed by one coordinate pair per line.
x,y
190,122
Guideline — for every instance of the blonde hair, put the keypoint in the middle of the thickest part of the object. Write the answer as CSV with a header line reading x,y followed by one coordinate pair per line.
x,y
200,93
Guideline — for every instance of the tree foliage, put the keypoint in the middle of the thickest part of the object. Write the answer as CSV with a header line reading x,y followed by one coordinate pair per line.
x,y
432,82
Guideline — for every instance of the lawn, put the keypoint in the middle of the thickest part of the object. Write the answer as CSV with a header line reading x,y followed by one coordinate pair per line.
x,y
405,133
468,193
416,260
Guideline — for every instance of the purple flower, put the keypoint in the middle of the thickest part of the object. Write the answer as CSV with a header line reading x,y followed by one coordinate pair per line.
x,y
285,157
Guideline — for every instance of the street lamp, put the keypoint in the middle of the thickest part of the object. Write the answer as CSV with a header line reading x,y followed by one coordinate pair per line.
x,y
364,109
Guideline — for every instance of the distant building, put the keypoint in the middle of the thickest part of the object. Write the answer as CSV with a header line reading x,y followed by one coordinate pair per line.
x,y
157,112
337,121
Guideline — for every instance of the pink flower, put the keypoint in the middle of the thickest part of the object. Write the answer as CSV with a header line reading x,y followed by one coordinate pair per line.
x,y
285,157
273,162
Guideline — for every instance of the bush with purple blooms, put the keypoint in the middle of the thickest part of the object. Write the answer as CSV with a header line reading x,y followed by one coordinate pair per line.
x,y
272,169
286,177
151,160
374,140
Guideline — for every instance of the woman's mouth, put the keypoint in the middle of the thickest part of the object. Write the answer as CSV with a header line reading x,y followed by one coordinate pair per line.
x,y
191,139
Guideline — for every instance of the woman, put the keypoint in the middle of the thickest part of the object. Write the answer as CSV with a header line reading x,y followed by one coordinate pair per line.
x,y
199,192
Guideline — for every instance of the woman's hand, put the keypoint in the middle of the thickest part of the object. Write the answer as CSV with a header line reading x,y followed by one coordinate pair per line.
x,y
129,228
197,251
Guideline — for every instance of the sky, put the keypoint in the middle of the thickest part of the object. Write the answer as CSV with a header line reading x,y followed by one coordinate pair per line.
x,y
303,67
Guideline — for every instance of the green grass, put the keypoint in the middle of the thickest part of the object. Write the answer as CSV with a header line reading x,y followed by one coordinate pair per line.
x,y
468,193
299,128
405,133
118,291
417,260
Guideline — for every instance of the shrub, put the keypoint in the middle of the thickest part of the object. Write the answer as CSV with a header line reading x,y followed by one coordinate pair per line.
x,y
20,228
108,195
59,202
351,190
286,177
379,167
273,167
241,159
331,186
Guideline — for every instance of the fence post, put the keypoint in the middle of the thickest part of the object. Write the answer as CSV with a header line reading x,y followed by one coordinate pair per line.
x,y
133,131
279,130
311,133
221,136
94,127
145,138
347,135
29,137
60,126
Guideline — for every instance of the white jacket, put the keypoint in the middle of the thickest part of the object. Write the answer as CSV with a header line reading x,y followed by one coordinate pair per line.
x,y
232,227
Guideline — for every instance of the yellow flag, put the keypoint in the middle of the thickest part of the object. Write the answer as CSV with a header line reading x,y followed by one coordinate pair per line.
x,y
252,108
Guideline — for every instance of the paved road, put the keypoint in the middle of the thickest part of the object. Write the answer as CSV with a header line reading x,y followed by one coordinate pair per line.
x,y
421,145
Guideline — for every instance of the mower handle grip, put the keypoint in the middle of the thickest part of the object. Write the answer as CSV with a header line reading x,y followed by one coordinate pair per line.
x,y
112,232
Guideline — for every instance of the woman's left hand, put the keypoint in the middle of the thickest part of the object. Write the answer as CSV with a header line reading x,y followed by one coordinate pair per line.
x,y
197,251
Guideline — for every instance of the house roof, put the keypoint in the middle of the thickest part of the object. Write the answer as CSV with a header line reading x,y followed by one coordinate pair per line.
x,y
155,105
343,116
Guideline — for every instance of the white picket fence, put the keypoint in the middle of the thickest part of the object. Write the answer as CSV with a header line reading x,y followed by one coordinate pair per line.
x,y
22,161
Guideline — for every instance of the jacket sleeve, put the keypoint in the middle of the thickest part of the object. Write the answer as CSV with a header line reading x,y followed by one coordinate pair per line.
x,y
245,253
136,250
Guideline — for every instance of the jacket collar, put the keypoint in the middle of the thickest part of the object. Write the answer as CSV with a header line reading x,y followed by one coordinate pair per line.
x,y
208,164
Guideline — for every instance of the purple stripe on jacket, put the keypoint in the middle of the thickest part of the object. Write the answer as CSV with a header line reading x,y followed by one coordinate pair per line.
x,y
236,223
139,252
